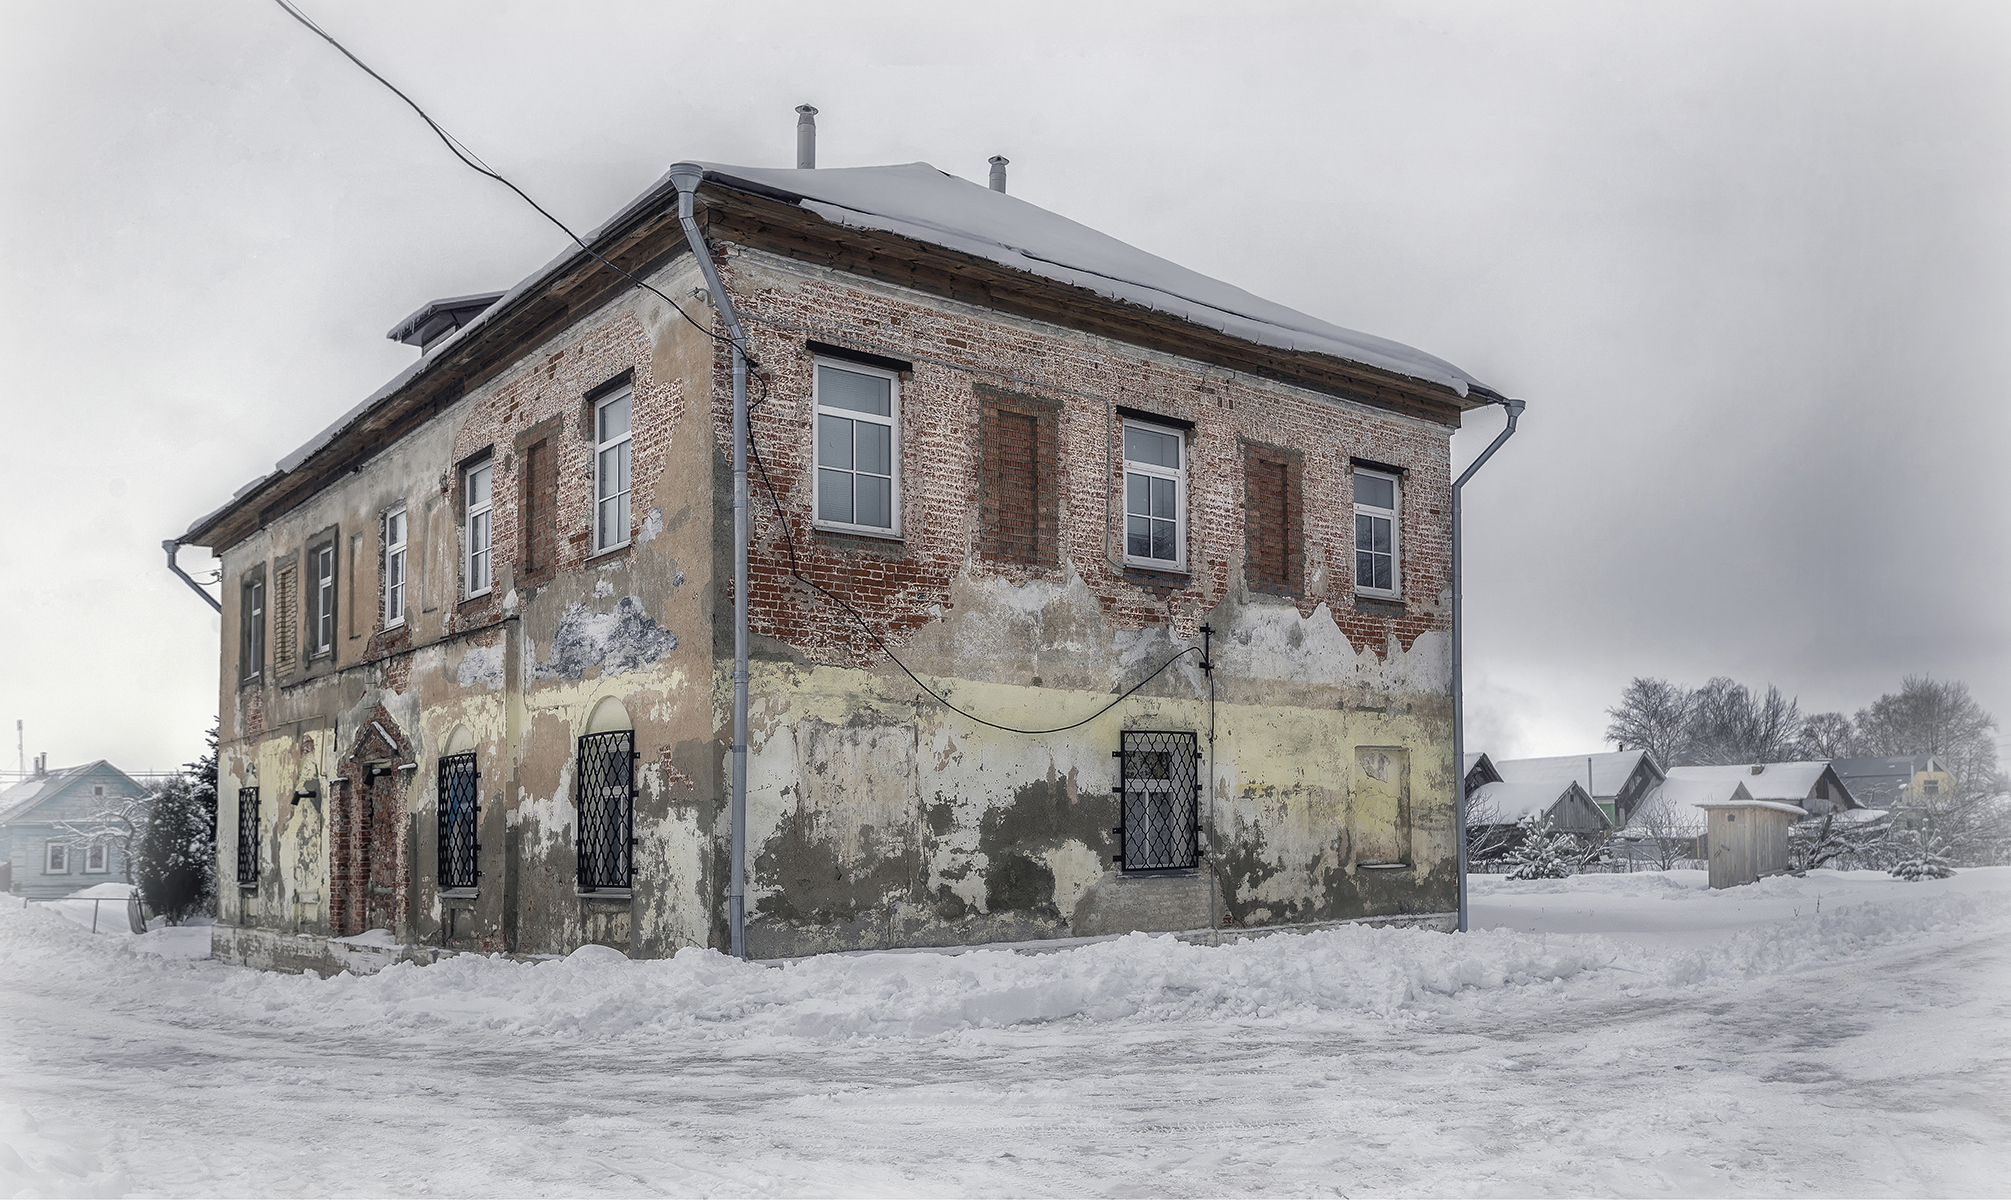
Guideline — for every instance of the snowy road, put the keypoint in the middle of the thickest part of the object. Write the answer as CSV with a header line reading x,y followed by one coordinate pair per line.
x,y
1619,1035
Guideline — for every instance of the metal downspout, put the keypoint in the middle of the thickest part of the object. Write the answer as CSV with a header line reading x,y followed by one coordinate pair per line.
x,y
1514,408
686,177
173,546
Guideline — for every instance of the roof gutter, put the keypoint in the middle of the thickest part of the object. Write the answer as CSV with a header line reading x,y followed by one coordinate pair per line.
x,y
1514,408
686,177
172,546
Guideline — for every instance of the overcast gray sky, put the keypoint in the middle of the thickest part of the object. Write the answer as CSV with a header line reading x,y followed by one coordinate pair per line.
x,y
1750,265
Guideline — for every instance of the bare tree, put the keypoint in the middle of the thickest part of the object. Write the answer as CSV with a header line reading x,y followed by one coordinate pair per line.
x,y
1836,839
1653,715
1939,719
115,821
1729,724
1487,837
1667,828
1828,735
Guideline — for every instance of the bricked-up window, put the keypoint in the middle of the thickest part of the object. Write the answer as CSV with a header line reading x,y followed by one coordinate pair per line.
x,y
540,509
858,448
475,559
285,614
612,442
1155,496
394,567
1274,536
251,624
1377,553
247,836
1018,492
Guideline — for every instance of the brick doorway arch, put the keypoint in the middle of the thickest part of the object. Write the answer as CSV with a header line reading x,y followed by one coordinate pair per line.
x,y
369,845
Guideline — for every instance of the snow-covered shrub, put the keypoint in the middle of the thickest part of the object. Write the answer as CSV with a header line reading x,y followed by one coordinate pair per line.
x,y
177,851
1919,860
1543,852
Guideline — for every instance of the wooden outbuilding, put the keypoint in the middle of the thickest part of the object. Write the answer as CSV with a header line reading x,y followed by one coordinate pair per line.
x,y
1747,839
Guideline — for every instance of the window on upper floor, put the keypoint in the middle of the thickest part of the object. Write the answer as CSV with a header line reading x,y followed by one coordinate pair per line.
x,y
476,568
251,624
613,438
56,859
1273,534
1377,535
857,449
321,597
1155,496
394,566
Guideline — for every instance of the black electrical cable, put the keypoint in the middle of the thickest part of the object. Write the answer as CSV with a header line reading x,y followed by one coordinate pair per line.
x,y
474,163
469,158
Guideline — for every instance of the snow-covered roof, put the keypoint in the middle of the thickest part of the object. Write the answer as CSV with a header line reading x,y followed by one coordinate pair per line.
x,y
1792,782
919,201
916,200
1510,802
19,798
1608,771
1775,805
1675,805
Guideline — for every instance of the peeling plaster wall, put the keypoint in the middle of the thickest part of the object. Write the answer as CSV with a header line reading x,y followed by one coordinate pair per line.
x,y
517,671
878,817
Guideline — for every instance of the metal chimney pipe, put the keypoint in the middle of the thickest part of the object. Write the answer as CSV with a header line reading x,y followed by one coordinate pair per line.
x,y
999,162
806,137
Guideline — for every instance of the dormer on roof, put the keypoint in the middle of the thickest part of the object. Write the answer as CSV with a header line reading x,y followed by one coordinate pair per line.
x,y
438,318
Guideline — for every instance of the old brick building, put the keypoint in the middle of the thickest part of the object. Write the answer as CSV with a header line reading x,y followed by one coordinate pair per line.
x,y
476,680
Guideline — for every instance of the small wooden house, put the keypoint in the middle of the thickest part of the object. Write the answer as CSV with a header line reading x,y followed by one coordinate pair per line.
x,y
1747,839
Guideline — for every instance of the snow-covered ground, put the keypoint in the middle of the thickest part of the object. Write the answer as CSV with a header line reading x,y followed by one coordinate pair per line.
x,y
1604,1034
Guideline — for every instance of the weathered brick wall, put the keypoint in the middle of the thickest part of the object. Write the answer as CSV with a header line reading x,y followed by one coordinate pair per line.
x,y
899,586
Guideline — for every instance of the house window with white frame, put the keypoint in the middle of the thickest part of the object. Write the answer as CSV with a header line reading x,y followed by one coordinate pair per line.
x,y
1378,556
97,859
476,562
1155,496
251,625
613,437
56,859
394,567
324,599
857,449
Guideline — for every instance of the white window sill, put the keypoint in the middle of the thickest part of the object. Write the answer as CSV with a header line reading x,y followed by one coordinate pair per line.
x,y
1391,597
885,535
1156,564
477,595
459,893
617,548
604,893
391,625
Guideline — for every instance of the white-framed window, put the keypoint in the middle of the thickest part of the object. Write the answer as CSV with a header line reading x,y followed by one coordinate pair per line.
x,y
56,859
394,567
1155,496
475,564
1378,557
324,599
97,859
858,448
613,423
251,625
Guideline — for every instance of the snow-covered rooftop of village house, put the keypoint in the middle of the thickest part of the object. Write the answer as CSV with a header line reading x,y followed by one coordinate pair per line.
x,y
18,797
1607,772
1676,805
1792,782
1509,802
919,201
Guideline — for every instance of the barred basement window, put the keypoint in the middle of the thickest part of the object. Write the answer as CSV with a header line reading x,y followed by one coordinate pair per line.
x,y
459,852
247,836
1161,801
606,798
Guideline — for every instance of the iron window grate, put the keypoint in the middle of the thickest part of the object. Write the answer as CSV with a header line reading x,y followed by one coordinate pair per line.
x,y
247,835
459,852
607,809
1160,791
